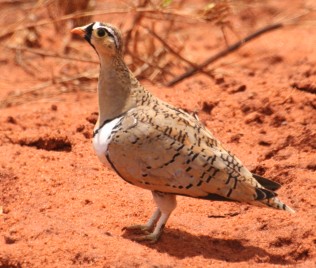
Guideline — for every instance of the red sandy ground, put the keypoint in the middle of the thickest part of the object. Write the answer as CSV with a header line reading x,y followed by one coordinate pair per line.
x,y
62,208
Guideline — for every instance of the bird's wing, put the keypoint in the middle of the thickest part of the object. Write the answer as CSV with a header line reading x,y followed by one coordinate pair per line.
x,y
164,149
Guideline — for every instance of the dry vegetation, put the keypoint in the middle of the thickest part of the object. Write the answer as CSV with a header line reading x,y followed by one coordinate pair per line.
x,y
152,52
59,207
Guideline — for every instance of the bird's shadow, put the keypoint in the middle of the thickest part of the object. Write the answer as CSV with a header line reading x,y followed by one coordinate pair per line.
x,y
180,244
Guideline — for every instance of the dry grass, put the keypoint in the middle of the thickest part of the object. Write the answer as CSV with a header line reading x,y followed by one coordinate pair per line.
x,y
152,52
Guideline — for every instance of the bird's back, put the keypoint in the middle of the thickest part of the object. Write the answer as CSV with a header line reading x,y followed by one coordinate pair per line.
x,y
161,148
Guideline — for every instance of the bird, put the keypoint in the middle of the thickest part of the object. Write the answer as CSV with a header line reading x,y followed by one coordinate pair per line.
x,y
153,145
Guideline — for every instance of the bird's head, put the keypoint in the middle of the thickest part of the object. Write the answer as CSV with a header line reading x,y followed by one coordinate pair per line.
x,y
104,38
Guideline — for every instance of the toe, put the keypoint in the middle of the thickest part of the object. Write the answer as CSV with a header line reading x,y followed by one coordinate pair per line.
x,y
150,238
139,228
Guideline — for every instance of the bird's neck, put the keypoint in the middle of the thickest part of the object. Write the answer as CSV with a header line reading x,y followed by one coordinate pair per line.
x,y
115,88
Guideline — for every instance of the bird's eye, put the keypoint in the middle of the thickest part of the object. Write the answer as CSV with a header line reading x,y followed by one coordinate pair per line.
x,y
101,32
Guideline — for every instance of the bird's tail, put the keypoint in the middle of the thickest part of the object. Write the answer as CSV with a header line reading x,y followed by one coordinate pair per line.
x,y
273,202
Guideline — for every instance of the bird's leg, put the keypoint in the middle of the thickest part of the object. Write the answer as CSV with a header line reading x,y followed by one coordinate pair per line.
x,y
148,226
166,203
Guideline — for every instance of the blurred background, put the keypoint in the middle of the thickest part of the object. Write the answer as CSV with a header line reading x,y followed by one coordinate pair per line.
x,y
160,40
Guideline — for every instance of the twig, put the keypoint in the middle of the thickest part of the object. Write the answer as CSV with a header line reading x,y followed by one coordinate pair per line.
x,y
8,30
161,71
13,2
145,62
47,54
12,28
223,53
136,20
20,62
9,100
148,62
166,45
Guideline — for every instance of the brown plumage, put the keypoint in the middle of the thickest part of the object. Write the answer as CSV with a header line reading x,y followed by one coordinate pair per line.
x,y
158,147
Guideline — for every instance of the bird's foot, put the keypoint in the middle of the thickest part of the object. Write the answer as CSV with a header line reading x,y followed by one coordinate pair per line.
x,y
144,232
150,238
145,229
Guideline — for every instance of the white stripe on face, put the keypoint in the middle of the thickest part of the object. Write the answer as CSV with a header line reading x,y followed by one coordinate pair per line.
x,y
112,32
98,25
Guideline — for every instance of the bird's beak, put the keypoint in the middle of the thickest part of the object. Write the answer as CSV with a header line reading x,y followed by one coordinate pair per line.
x,y
79,31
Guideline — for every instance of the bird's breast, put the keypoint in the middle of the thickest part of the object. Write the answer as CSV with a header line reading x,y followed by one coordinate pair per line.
x,y
103,137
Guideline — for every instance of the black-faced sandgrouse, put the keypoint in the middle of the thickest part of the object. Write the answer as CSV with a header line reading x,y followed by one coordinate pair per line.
x,y
155,146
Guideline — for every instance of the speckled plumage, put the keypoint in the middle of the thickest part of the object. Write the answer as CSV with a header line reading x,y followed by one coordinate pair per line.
x,y
158,147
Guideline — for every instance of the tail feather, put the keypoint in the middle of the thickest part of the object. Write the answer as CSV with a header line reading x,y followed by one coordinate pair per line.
x,y
268,197
266,183
273,202
264,194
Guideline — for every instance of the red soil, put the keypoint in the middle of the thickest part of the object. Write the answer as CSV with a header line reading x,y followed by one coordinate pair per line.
x,y
62,208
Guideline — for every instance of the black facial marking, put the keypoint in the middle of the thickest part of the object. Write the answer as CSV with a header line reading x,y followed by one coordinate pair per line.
x,y
88,34
100,31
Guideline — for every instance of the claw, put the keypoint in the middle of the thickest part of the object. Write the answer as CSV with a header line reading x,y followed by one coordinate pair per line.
x,y
138,228
151,238
146,235
166,204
